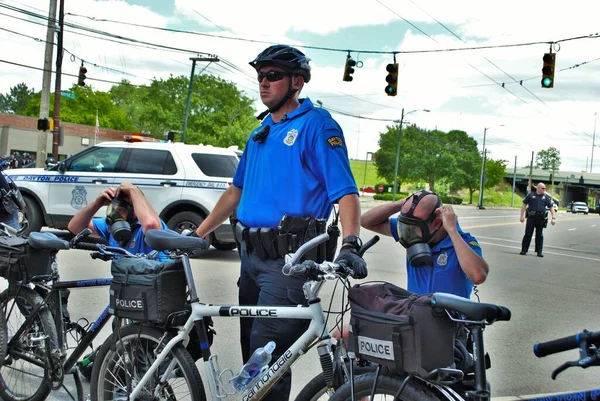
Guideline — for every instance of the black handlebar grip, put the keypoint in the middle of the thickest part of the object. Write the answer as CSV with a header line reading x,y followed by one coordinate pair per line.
x,y
368,244
564,344
86,246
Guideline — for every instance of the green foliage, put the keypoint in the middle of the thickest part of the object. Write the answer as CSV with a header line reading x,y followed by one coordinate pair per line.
x,y
548,159
16,101
451,200
494,172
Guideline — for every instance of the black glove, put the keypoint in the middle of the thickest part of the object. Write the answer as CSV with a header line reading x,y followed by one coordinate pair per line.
x,y
351,259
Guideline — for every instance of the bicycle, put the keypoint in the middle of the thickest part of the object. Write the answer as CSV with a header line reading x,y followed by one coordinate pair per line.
x,y
36,361
443,383
146,360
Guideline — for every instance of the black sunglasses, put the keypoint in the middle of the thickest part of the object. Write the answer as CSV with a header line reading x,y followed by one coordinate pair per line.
x,y
272,76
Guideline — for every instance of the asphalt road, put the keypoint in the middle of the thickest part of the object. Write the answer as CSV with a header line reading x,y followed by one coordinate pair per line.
x,y
549,297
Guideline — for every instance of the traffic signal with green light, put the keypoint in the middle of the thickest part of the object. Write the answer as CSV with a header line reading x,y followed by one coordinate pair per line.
x,y
349,69
81,78
392,79
548,70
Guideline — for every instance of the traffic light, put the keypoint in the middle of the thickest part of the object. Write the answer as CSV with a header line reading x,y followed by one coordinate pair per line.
x,y
45,124
548,70
81,79
392,79
349,69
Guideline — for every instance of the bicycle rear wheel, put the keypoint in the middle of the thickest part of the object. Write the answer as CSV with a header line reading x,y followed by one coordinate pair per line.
x,y
131,356
387,387
24,374
317,389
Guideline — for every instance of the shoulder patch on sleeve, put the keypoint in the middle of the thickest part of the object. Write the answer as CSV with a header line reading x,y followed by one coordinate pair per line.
x,y
335,141
474,243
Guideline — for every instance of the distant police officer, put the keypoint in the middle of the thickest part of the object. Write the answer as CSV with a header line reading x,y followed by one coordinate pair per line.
x,y
294,168
537,204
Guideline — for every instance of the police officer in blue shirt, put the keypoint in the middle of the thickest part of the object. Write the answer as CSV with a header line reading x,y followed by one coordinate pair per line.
x,y
294,168
440,256
536,203
128,232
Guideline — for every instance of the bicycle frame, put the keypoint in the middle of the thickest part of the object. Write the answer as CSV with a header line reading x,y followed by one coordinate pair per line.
x,y
316,330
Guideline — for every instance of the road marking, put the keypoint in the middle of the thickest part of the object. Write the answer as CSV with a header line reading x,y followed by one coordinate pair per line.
x,y
545,246
545,252
571,229
593,225
490,225
484,217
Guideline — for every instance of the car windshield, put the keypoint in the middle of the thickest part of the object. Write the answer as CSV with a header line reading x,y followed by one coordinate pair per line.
x,y
579,204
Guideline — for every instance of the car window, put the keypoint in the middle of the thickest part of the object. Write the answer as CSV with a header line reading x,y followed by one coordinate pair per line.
x,y
98,160
579,204
150,161
216,165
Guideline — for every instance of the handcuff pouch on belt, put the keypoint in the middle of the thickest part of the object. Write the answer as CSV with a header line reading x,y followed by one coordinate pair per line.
x,y
292,232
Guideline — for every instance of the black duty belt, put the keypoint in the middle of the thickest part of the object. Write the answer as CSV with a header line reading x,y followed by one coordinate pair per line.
x,y
534,213
270,243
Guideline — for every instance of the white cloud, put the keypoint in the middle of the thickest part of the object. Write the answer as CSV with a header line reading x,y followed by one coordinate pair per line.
x,y
458,87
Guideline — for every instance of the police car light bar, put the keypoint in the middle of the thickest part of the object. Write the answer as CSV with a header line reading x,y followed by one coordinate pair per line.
x,y
140,138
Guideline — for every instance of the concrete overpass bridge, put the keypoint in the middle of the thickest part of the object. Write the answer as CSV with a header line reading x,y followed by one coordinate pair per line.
x,y
568,185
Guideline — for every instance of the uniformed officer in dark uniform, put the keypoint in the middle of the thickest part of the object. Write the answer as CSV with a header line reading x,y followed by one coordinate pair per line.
x,y
536,203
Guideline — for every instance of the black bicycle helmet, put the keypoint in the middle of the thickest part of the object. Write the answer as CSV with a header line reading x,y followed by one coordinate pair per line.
x,y
287,57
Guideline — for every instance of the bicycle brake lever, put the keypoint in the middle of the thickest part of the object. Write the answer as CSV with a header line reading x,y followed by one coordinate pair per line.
x,y
584,363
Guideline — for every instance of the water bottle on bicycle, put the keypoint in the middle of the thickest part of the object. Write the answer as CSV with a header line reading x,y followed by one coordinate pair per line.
x,y
257,364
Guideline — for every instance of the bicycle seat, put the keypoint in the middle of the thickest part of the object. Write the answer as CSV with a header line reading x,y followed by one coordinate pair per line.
x,y
168,240
47,241
471,309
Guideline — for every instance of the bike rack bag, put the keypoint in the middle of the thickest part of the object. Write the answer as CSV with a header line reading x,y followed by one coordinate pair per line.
x,y
399,329
20,262
147,290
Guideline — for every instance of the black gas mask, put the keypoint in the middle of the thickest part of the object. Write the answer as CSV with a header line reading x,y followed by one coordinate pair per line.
x,y
119,217
414,232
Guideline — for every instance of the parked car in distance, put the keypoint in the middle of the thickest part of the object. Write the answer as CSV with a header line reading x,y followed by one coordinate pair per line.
x,y
578,207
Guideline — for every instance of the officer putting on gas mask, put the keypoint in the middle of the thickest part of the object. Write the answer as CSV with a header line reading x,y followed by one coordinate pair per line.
x,y
129,216
439,255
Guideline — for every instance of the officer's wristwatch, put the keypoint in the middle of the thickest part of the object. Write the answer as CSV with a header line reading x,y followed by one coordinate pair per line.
x,y
353,240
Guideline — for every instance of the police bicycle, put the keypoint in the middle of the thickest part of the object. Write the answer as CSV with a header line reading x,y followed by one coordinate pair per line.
x,y
147,361
38,328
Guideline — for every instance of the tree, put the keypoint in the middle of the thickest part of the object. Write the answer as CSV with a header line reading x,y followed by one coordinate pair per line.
x,y
219,114
495,170
548,159
468,169
17,100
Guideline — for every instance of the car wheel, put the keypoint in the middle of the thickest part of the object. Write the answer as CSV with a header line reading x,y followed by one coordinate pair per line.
x,y
190,221
33,214
223,246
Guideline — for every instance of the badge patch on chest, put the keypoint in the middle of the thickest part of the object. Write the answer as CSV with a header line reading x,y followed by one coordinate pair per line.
x,y
290,138
442,260
335,141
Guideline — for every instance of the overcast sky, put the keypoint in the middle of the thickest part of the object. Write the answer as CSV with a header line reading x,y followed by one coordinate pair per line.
x,y
466,90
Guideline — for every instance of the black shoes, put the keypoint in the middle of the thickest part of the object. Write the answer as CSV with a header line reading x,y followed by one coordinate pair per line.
x,y
522,253
540,255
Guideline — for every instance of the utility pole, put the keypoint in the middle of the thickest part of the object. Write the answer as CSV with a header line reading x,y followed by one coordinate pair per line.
x,y
482,172
397,156
512,199
189,94
530,173
46,82
593,144
57,82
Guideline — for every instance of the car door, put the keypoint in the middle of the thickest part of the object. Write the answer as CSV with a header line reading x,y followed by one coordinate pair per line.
x,y
80,180
156,173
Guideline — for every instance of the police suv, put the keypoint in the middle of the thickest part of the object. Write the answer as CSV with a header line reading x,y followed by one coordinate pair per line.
x,y
182,182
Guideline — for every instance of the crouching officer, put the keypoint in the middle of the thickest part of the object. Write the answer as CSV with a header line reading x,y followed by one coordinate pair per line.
x,y
537,204
295,164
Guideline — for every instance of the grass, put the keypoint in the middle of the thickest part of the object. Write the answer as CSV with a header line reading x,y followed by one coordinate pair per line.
x,y
358,170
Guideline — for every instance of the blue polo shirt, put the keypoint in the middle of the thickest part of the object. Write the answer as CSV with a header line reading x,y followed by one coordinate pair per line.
x,y
300,169
446,275
135,245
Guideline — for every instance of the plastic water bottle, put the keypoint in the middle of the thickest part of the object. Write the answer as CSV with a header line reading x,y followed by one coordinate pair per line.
x,y
258,362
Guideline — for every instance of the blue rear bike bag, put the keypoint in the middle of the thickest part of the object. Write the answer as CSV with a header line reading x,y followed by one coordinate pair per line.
x,y
146,290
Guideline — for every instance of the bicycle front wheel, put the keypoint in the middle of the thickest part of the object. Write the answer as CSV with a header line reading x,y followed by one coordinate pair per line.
x,y
128,360
24,374
317,389
387,387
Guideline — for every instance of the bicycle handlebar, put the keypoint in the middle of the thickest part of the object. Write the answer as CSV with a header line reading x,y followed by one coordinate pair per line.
x,y
566,343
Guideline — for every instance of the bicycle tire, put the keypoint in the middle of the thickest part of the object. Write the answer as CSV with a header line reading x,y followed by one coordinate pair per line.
x,y
387,386
108,372
3,338
38,382
317,389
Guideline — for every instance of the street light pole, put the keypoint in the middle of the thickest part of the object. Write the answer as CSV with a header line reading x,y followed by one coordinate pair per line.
x,y
189,94
593,144
365,177
397,156
398,149
480,205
